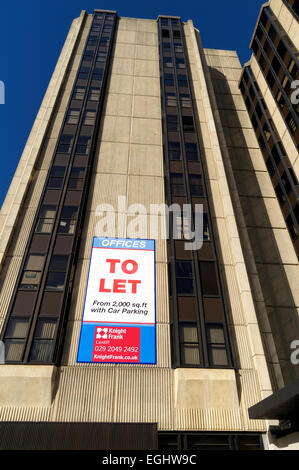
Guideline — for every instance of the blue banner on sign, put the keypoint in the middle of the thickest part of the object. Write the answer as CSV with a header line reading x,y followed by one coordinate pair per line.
x,y
125,243
115,347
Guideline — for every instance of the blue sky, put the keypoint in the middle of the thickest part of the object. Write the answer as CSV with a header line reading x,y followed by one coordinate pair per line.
x,y
32,33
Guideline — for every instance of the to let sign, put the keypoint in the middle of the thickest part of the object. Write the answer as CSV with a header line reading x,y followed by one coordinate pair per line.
x,y
119,303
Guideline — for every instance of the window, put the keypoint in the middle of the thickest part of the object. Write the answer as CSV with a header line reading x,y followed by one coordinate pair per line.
x,y
208,441
189,345
242,88
94,94
267,132
280,195
43,343
270,79
182,81
56,177
73,116
165,33
294,70
182,226
254,122
177,184
76,180
206,229
57,272
172,122
188,124
191,151
248,104
88,55
267,47
272,33
270,167
65,143
291,123
255,46
98,74
78,172
262,62
167,62
101,57
259,32
251,92
89,118
275,155
92,40
174,150
55,183
296,213
176,34
209,284
286,183
276,65
83,144
281,148
15,338
104,42
196,187
168,79
170,99
292,227
32,272
46,219
79,93
258,110
30,280
67,222
184,277
216,345
178,48
17,327
166,46
281,49
180,63
185,100
293,176
84,72
261,142
96,28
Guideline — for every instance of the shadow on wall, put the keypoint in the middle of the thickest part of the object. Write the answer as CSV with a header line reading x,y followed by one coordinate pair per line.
x,y
271,271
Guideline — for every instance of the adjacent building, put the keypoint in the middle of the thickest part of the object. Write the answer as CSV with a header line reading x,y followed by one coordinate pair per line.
x,y
269,85
138,115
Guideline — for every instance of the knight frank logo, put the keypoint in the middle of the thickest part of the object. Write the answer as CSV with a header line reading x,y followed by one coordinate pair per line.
x,y
102,333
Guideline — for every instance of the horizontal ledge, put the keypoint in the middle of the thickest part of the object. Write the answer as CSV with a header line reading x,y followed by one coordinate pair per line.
x,y
283,404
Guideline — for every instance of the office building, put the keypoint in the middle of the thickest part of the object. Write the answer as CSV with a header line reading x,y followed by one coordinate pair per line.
x,y
137,112
268,84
